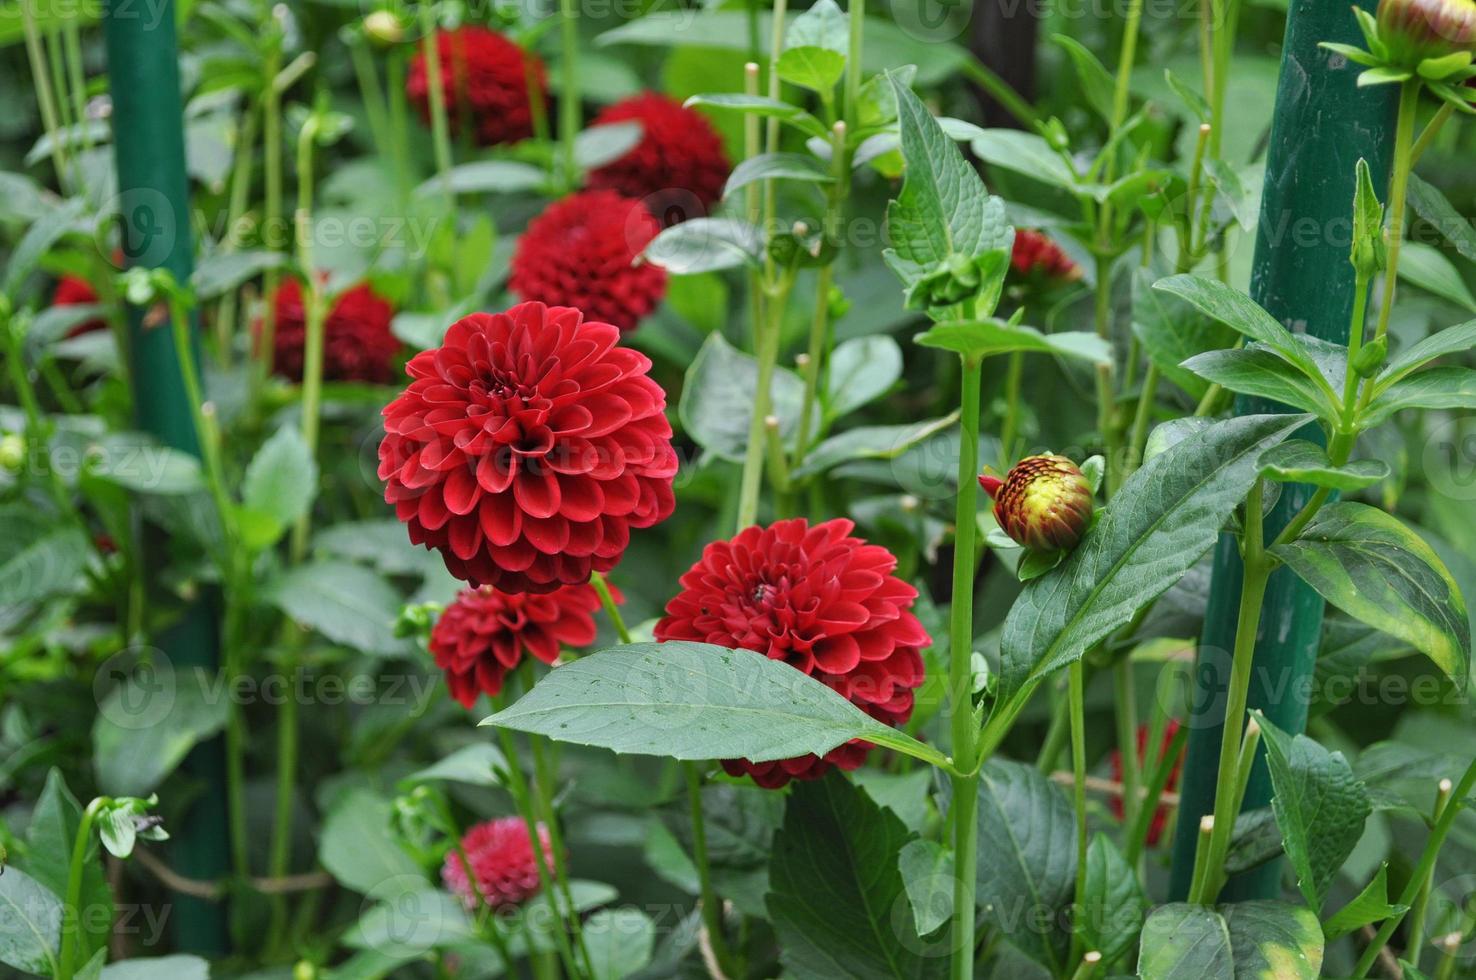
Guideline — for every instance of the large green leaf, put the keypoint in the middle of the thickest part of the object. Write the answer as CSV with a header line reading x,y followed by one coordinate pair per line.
x,y
837,898
619,942
38,560
358,847
148,723
705,245
281,479
759,105
870,442
346,603
1238,311
1185,942
1026,866
980,338
1373,567
862,369
49,839
1320,807
1438,387
696,701
1368,907
177,967
1024,153
1432,205
30,923
717,399
1258,371
1274,940
1111,911
1427,267
1164,518
1171,332
1300,461
778,166
1452,340
929,874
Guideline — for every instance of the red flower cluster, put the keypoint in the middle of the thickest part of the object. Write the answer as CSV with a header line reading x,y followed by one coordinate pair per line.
x,y
501,856
1035,255
582,252
819,600
484,634
357,342
678,169
526,447
75,291
484,76
1160,816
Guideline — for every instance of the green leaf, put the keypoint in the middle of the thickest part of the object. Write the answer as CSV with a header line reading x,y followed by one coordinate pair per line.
x,y
1097,84
1453,340
40,562
484,177
1184,942
1427,267
281,479
1320,807
1113,907
1368,253
1171,332
1370,565
870,442
43,233
358,847
478,764
705,245
943,209
762,106
778,166
218,274
696,701
596,146
1154,530
1300,461
49,839
1274,940
30,923
814,68
1437,387
179,966
1257,371
980,338
837,898
1243,314
1192,100
619,942
346,603
408,924
1368,907
861,370
148,723
137,462
928,875
823,25
1024,153
1431,205
717,398
1026,865
115,825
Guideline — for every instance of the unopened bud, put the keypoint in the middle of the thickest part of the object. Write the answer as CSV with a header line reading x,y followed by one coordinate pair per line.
x,y
1043,503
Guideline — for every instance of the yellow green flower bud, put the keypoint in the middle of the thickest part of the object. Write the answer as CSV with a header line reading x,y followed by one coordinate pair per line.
x,y
1044,503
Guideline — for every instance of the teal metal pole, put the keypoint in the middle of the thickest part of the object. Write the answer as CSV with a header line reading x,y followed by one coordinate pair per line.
x,y
154,218
1323,123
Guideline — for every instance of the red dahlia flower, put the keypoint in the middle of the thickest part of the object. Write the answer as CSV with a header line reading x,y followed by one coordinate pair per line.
x,y
501,855
526,447
582,252
1035,255
1160,816
678,169
484,76
484,634
819,600
357,342
75,291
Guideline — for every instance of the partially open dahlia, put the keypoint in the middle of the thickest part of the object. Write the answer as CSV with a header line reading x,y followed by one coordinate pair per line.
x,y
484,76
501,855
678,168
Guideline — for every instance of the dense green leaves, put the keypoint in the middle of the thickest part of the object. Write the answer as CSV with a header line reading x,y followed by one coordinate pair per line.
x,y
1370,565
1274,941
1368,907
1238,311
696,701
837,898
1256,370
147,725
1300,461
717,398
1183,942
1154,530
346,603
1111,911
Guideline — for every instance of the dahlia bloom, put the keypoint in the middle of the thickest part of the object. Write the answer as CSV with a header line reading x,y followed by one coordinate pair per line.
x,y
581,252
1036,255
678,168
357,342
821,601
484,76
1044,502
1160,816
1413,30
501,856
526,447
76,291
484,634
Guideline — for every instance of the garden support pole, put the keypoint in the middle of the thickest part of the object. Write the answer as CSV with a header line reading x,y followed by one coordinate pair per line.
x,y
1322,124
153,216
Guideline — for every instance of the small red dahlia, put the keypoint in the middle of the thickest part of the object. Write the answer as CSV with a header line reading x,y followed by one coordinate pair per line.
x,y
357,342
1160,816
678,169
526,447
484,76
501,856
819,600
582,252
484,634
76,291
1036,255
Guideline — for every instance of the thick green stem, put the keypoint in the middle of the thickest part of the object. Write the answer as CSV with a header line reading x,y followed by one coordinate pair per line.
x,y
1127,738
1076,703
1126,56
767,353
1409,103
1431,130
569,100
440,125
712,906
1010,427
72,912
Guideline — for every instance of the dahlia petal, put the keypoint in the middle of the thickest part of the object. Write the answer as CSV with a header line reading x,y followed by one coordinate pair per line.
x,y
537,493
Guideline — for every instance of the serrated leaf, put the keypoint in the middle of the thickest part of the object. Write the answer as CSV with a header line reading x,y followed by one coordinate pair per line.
x,y
1242,314
1299,461
981,338
1182,942
778,166
1373,567
1368,907
282,478
696,701
1111,913
1257,371
346,603
1274,940
1320,807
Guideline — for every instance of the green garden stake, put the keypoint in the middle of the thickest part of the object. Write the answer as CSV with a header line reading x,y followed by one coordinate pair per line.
x,y
153,213
1323,123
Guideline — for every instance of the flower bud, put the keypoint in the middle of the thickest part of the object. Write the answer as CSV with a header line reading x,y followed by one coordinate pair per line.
x,y
384,27
1043,503
12,452
1370,358
1413,30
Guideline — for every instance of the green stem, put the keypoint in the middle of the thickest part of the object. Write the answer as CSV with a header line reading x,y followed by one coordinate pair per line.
x,y
1102,319
1431,130
36,432
440,126
72,923
856,21
712,906
1010,428
1076,704
767,353
45,97
271,165
543,782
964,728
1137,837
1126,56
371,94
1422,871
569,102
1418,913
1141,417
607,600
1409,101
239,200
316,310
1057,734
820,322
1002,92
1127,738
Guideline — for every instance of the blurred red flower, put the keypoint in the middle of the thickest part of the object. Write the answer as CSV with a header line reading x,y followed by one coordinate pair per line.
x,y
677,170
501,856
357,342
484,76
1160,816
526,447
581,252
1036,255
76,291
821,601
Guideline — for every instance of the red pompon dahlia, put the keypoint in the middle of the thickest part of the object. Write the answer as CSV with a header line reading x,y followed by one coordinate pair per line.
x,y
1036,255
357,342
1044,502
76,291
526,447
821,601
678,169
1160,816
582,252
484,634
501,856
484,76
